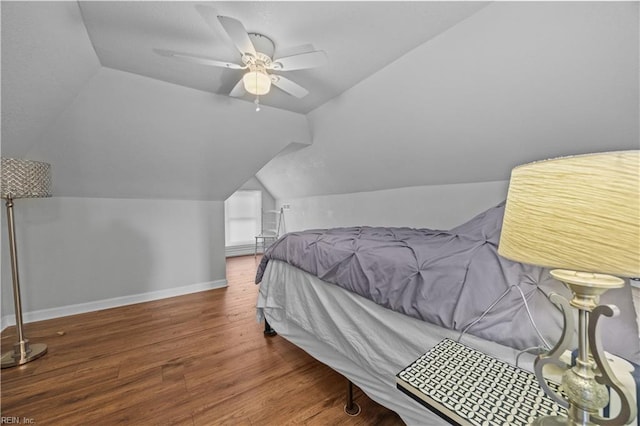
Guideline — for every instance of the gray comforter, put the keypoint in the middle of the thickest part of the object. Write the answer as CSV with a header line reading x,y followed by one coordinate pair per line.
x,y
449,278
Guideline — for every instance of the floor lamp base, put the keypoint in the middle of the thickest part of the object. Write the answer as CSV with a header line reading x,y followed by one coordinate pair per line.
x,y
32,352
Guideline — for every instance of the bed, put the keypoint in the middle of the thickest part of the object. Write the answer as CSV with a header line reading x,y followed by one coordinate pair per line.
x,y
367,301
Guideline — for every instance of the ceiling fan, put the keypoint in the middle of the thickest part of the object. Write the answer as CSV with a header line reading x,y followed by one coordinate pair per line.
x,y
257,58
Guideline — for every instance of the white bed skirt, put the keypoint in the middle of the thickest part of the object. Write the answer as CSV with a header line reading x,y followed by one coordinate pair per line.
x,y
363,341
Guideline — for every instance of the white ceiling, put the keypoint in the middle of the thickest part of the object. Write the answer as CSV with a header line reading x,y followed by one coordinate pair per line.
x,y
358,37
514,83
415,93
110,133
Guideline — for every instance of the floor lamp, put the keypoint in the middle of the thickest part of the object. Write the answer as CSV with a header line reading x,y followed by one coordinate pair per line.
x,y
579,214
21,179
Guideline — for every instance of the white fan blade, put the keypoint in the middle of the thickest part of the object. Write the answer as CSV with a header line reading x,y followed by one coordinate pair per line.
x,y
289,86
199,59
299,62
238,90
238,35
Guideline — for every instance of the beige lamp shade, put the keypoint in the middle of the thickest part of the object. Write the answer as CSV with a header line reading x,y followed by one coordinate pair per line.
x,y
24,179
580,213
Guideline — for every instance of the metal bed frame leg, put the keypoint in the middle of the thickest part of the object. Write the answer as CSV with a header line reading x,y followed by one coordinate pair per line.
x,y
268,331
351,408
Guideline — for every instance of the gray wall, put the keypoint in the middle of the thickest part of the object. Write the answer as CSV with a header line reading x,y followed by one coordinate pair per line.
x,y
81,254
435,207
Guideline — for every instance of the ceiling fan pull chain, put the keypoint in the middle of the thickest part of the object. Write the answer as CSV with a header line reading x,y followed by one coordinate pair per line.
x,y
257,101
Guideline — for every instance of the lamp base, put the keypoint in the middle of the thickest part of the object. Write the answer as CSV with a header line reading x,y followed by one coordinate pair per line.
x,y
18,357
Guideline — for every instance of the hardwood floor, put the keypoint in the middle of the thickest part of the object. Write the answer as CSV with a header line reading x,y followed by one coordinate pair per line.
x,y
199,359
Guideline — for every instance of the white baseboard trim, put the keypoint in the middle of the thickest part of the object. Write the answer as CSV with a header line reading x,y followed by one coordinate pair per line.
x,y
243,250
98,305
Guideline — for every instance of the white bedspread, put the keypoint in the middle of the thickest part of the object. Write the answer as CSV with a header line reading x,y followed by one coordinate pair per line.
x,y
364,342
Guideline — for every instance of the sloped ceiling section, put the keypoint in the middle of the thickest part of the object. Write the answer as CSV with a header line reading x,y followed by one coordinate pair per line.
x,y
514,83
128,136
46,60
109,133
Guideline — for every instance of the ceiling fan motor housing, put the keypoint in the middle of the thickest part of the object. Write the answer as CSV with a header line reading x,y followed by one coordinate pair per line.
x,y
265,49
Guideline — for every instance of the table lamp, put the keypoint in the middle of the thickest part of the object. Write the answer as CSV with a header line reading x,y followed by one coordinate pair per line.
x,y
21,179
580,214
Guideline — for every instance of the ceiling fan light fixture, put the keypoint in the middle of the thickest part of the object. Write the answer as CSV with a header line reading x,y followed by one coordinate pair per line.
x,y
257,82
256,52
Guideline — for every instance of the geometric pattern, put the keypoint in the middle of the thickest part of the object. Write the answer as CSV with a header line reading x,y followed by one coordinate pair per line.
x,y
24,179
472,388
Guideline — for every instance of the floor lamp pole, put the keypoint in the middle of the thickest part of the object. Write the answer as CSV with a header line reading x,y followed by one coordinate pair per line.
x,y
22,352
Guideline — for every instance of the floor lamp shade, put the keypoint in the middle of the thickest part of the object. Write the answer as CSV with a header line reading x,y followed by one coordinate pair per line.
x,y
25,179
580,213
21,179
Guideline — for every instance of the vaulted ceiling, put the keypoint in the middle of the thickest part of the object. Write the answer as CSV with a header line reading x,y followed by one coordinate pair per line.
x,y
516,82
414,93
359,39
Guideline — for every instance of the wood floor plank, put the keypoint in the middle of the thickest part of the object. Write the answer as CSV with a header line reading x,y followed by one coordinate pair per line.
x,y
198,359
